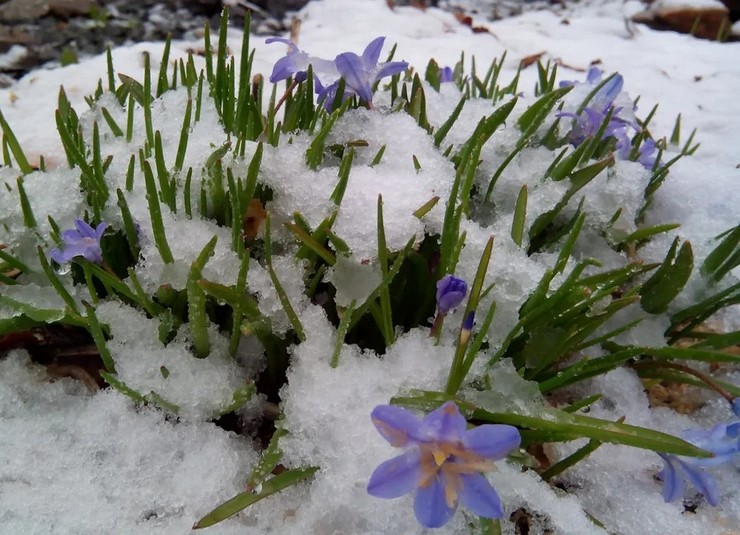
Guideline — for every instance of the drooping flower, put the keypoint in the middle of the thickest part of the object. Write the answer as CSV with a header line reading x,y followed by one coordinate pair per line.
x,y
83,240
723,440
450,293
443,463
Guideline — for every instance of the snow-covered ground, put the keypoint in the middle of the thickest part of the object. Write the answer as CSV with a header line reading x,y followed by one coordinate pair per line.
x,y
76,463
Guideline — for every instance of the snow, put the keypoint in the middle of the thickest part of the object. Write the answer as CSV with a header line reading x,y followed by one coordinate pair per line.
x,y
112,466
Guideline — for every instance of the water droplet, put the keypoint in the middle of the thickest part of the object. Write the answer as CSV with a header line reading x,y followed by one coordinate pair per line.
x,y
63,269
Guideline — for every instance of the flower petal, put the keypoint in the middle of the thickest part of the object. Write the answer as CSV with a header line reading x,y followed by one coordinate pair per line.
x,y
492,441
398,426
71,235
100,230
702,481
608,92
389,69
351,68
430,507
283,40
84,229
449,301
372,52
479,496
397,476
593,76
673,485
444,424
285,67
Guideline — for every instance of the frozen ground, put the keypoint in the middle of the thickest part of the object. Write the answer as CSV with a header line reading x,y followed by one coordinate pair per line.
x,y
75,463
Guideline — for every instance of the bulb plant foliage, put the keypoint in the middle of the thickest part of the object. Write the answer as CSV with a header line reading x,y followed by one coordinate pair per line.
x,y
569,327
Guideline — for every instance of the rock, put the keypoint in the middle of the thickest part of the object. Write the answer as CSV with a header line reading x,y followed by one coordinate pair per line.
x,y
23,10
704,21
71,8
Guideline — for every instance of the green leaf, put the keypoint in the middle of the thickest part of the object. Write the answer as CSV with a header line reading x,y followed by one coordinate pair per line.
x,y
245,499
287,307
458,369
268,460
240,397
197,315
342,330
668,280
562,425
534,115
724,257
96,331
520,217
15,147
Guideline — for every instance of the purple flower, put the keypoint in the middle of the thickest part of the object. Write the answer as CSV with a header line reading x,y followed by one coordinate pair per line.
x,y
361,72
445,75
83,240
296,63
723,440
646,154
608,98
450,293
606,95
674,473
443,462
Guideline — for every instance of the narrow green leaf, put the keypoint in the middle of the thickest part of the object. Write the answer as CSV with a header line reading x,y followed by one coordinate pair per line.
x,y
15,148
342,329
386,324
96,331
520,216
152,197
245,499
197,314
268,460
668,280
287,307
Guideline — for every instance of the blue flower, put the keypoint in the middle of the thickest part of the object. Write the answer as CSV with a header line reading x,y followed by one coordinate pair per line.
x,y
296,63
450,293
443,462
445,75
676,470
361,72
587,123
723,440
647,154
83,241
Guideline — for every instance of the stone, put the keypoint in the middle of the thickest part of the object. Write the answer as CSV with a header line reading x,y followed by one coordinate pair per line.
x,y
23,10
705,22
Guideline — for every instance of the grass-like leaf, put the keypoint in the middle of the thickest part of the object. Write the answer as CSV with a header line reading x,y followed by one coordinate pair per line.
x,y
245,499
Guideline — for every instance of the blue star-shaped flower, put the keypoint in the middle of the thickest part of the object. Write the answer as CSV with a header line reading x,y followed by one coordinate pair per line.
x,y
443,463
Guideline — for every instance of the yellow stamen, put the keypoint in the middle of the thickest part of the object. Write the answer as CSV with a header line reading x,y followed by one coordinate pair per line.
x,y
439,457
